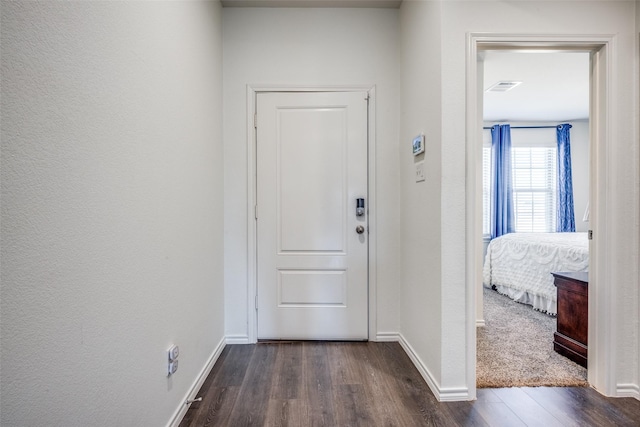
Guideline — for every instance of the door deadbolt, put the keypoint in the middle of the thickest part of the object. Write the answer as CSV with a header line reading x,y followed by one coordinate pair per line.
x,y
359,229
359,207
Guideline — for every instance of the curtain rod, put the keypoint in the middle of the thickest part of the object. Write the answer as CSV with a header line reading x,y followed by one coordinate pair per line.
x,y
528,127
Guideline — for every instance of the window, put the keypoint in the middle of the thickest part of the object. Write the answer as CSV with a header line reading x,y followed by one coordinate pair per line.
x,y
534,188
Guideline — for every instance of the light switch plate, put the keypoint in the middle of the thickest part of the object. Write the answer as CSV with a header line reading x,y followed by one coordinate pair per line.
x,y
420,171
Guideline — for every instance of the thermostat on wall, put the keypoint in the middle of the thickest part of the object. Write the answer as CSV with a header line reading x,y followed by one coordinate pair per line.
x,y
418,145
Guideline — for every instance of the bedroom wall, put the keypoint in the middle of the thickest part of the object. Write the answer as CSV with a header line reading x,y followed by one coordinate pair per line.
x,y
580,170
311,47
456,20
579,156
111,215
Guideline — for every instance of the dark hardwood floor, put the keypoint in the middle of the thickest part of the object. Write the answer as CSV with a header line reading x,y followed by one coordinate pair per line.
x,y
374,384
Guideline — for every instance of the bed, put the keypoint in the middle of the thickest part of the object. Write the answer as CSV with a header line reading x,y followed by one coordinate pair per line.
x,y
519,265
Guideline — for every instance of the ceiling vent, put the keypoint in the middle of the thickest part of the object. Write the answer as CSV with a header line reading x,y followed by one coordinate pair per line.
x,y
503,86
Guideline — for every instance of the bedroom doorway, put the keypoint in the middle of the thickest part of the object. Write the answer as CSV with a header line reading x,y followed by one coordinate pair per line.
x,y
602,338
533,92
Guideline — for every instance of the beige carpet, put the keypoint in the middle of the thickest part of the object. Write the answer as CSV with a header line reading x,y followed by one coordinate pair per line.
x,y
515,348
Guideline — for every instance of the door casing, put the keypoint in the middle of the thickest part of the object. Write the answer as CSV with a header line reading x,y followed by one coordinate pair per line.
x,y
602,337
252,279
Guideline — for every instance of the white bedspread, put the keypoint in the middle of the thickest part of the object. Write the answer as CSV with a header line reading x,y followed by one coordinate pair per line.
x,y
520,264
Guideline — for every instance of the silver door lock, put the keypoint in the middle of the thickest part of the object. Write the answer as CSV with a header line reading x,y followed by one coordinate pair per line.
x,y
359,207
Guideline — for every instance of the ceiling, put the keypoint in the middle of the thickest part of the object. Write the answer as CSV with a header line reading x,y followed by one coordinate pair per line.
x,y
555,86
389,4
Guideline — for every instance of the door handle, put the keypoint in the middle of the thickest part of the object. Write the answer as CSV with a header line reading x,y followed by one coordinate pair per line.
x,y
359,229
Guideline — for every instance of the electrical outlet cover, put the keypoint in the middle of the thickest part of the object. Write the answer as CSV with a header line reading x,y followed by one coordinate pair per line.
x,y
173,353
173,367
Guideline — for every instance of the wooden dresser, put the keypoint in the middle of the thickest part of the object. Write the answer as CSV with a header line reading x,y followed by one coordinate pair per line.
x,y
570,338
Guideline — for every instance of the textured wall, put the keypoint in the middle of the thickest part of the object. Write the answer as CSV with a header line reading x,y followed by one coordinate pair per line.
x,y
310,47
111,208
421,308
533,17
445,327
636,381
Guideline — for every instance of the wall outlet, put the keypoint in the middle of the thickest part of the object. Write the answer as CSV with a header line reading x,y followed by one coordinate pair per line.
x,y
174,352
173,367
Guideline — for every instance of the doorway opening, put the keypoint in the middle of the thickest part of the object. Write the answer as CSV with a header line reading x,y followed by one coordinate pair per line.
x,y
535,93
600,336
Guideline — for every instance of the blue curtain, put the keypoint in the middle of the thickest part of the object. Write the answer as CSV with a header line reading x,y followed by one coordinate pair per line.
x,y
566,218
501,209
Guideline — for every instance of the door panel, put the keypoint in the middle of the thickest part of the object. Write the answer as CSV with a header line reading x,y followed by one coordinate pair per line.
x,y
311,167
310,192
298,288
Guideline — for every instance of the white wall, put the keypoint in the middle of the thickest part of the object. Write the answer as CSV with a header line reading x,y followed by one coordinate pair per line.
x,y
637,136
111,208
421,305
580,170
457,19
310,47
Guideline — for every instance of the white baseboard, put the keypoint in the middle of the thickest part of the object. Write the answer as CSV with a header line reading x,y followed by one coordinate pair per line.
x,y
387,337
431,382
238,339
628,390
480,323
204,373
454,394
442,394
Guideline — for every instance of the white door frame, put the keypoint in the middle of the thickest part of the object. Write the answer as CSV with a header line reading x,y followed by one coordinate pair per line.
x,y
252,247
602,328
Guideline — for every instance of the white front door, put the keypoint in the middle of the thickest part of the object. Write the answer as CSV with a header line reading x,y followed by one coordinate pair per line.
x,y
312,245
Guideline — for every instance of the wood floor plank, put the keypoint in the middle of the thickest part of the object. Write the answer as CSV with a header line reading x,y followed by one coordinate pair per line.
x,y
487,395
285,413
375,384
526,408
287,381
560,405
628,406
235,364
413,393
379,391
220,404
498,414
343,364
318,387
252,402
465,414
352,406
595,409
194,408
